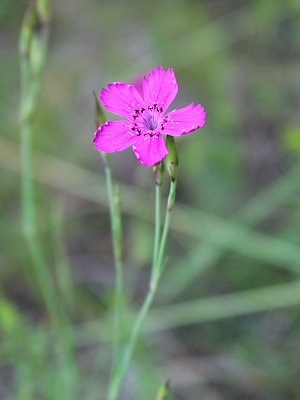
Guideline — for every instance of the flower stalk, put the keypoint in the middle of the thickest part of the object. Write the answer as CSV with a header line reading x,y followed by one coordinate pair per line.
x,y
158,266
159,172
157,269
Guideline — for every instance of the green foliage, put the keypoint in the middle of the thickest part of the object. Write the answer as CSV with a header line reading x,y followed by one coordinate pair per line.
x,y
291,140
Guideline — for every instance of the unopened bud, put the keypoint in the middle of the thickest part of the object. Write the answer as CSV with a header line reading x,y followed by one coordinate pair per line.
x,y
35,26
27,32
159,170
100,119
172,161
33,47
43,10
164,391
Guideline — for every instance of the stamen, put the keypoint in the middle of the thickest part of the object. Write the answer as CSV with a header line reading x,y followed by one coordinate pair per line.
x,y
148,120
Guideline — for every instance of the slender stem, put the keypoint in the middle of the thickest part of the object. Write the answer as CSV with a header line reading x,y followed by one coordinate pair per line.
x,y
61,262
157,225
114,208
27,192
170,204
29,221
122,367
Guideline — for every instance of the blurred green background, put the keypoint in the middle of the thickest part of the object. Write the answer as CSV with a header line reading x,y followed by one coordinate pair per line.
x,y
226,323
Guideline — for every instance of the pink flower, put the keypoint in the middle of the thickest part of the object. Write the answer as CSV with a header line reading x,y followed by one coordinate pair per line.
x,y
146,120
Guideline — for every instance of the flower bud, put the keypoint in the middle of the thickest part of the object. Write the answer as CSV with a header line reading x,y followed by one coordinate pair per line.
x,y
164,391
43,10
33,47
34,29
172,161
100,119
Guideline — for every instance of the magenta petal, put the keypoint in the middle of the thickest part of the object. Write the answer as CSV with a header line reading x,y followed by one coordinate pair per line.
x,y
185,120
114,136
160,88
150,150
121,99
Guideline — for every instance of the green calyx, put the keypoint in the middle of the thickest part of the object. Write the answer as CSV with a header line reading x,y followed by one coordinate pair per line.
x,y
159,171
171,159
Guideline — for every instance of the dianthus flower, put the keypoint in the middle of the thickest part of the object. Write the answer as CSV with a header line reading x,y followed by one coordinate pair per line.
x,y
146,120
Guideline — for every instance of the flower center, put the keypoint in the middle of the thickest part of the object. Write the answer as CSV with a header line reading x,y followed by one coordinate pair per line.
x,y
149,122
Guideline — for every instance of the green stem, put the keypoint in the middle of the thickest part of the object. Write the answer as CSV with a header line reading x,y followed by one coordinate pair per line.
x,y
122,367
29,221
170,204
114,208
27,193
157,225
61,263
